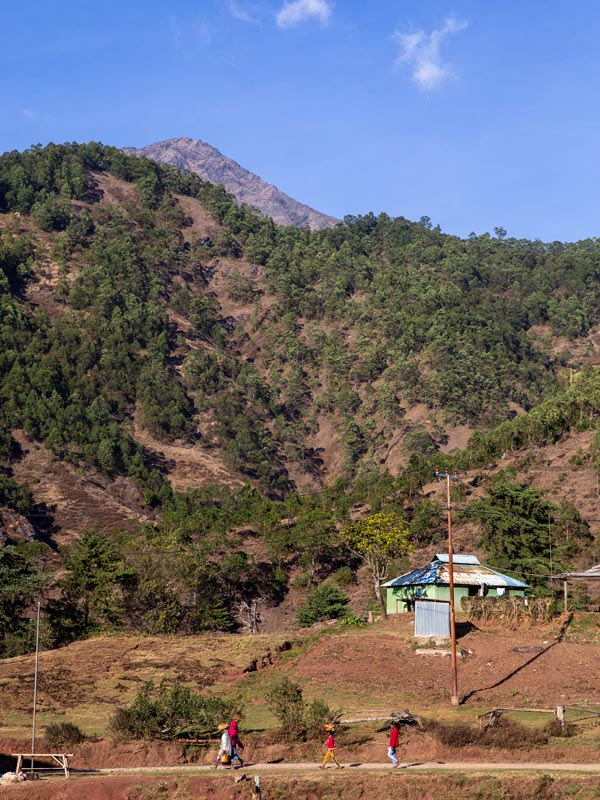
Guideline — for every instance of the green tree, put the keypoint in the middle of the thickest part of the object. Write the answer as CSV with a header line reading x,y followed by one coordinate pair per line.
x,y
315,537
325,602
427,522
21,581
377,540
515,523
91,589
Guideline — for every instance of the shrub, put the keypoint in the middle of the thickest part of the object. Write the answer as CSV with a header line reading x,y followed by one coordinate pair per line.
x,y
286,702
316,715
170,713
299,719
301,581
59,735
352,620
325,602
344,576
554,728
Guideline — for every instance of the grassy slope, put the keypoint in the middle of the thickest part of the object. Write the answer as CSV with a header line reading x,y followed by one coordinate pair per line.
x,y
361,671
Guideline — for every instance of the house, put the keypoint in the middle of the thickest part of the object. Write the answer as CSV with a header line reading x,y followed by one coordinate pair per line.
x,y
432,582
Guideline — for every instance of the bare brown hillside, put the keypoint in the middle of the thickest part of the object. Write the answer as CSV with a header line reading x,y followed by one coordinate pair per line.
x,y
69,500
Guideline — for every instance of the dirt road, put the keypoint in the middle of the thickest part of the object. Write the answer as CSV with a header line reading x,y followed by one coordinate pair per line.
x,y
415,766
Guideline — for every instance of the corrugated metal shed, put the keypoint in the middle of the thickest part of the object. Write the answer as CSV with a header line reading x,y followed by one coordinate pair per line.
x,y
432,619
467,572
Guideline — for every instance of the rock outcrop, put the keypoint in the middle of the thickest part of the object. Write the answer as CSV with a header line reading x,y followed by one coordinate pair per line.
x,y
207,162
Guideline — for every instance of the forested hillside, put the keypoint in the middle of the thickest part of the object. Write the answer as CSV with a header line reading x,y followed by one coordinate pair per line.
x,y
220,396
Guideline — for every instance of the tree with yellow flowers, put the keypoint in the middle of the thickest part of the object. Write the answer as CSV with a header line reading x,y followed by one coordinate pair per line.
x,y
377,540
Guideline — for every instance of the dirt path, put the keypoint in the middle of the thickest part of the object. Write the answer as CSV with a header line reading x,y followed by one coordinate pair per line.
x,y
414,766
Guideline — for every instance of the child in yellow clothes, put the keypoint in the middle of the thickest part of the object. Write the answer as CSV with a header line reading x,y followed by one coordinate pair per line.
x,y
330,745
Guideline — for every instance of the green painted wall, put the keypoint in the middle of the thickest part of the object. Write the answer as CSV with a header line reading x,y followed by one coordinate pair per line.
x,y
397,596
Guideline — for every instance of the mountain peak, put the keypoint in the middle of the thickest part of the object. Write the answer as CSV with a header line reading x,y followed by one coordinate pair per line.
x,y
209,163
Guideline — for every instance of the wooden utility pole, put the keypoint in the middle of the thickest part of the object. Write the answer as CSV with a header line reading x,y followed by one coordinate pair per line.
x,y
454,698
35,683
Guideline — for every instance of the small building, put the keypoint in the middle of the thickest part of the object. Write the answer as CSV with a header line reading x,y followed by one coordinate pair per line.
x,y
432,582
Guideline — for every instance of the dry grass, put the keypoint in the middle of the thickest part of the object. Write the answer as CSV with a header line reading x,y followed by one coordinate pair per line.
x,y
87,680
505,734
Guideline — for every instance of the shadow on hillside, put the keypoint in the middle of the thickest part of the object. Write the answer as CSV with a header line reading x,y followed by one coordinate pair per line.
x,y
41,517
159,461
93,194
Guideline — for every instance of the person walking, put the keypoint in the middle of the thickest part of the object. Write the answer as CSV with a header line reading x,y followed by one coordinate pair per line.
x,y
394,742
236,743
330,745
225,749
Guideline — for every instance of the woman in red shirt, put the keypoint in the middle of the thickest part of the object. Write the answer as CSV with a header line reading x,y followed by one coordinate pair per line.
x,y
236,743
330,745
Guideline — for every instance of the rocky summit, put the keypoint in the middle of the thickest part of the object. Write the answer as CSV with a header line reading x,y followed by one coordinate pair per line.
x,y
207,162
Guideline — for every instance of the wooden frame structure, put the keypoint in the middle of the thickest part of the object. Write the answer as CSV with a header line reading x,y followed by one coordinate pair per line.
x,y
62,759
586,712
591,574
489,718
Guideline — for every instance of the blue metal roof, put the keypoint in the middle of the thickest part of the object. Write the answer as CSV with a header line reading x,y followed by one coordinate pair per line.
x,y
467,572
423,575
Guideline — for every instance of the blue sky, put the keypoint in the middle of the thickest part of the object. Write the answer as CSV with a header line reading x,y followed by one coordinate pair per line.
x,y
476,113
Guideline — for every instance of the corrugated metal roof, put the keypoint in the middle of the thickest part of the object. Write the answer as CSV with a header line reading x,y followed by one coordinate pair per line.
x,y
457,558
465,574
423,575
592,572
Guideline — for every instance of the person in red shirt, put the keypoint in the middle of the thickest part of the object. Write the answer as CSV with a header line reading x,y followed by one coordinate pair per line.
x,y
330,745
394,742
236,743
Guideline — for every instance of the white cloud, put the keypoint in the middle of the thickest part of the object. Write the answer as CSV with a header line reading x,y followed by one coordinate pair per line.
x,y
238,12
295,11
422,51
